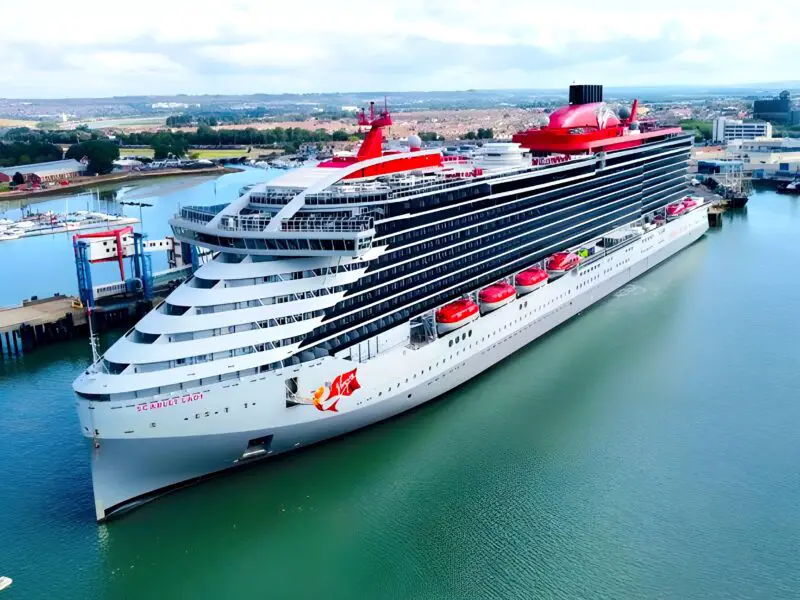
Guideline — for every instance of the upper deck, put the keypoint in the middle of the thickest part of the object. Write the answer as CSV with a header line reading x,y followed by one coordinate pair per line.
x,y
333,208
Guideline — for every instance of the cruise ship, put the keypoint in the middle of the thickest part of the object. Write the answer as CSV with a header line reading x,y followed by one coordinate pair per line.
x,y
342,294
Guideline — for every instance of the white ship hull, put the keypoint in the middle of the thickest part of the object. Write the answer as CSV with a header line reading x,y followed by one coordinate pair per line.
x,y
143,448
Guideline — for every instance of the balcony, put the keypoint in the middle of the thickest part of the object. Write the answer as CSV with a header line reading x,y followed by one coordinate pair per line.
x,y
200,214
333,224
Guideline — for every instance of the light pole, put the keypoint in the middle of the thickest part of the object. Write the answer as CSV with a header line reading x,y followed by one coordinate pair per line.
x,y
140,205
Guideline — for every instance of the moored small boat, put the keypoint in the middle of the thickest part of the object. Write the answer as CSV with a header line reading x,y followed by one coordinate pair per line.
x,y
790,188
496,295
529,280
456,314
561,262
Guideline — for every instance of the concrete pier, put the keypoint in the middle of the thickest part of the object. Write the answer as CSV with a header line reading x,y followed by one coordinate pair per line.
x,y
39,322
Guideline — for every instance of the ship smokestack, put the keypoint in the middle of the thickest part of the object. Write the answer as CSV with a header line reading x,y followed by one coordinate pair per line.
x,y
585,94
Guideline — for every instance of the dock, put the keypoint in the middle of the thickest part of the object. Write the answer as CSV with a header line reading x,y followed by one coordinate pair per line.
x,y
59,318
40,322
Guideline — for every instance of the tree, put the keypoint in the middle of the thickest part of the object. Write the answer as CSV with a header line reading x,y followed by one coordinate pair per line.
x,y
18,178
165,143
430,136
101,154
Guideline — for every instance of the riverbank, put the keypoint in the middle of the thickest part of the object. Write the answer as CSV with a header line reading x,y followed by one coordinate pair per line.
x,y
88,182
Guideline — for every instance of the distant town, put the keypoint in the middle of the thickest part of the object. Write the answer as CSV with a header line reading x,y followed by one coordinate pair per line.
x,y
758,126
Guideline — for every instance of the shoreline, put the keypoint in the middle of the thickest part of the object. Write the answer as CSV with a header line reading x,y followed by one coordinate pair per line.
x,y
114,178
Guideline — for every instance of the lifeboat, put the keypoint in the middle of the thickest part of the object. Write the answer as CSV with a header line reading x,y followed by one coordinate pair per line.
x,y
530,279
675,210
689,202
561,262
456,314
496,295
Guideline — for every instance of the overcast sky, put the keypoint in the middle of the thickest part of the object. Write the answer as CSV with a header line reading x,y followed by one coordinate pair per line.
x,y
91,48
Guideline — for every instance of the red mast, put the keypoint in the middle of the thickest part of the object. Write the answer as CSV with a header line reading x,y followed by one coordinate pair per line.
x,y
372,147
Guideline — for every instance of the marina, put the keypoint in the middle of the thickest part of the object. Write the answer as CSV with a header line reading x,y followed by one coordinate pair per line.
x,y
49,223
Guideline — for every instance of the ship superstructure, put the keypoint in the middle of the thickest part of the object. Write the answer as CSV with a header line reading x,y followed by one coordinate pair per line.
x,y
346,293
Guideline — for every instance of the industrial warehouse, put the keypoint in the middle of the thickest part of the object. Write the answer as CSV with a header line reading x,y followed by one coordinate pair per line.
x,y
57,170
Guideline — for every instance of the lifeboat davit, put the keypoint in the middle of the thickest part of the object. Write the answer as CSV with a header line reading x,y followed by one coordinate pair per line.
x,y
456,314
675,210
530,279
561,262
496,295
689,202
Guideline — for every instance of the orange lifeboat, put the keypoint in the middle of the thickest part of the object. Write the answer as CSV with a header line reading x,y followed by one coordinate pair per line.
x,y
561,262
530,279
456,314
496,295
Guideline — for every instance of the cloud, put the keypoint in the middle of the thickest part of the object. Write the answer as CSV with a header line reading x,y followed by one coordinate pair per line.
x,y
249,46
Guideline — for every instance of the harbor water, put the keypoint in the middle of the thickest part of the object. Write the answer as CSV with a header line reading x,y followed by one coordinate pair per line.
x,y
44,265
646,449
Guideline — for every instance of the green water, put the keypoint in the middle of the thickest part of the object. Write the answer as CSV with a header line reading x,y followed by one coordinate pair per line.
x,y
647,449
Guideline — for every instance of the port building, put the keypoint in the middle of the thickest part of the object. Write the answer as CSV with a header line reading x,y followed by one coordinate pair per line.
x,y
56,170
778,109
727,130
764,157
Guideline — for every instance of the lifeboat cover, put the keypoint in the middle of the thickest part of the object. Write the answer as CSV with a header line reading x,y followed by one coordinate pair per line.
x,y
456,311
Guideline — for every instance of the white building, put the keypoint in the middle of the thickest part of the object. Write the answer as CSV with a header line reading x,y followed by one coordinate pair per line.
x,y
766,154
726,129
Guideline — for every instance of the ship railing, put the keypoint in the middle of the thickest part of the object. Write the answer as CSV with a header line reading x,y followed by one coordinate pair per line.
x,y
200,214
606,251
345,197
245,222
273,197
258,223
339,225
403,189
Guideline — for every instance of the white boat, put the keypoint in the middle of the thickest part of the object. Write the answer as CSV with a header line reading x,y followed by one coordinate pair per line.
x,y
10,234
318,313
5,582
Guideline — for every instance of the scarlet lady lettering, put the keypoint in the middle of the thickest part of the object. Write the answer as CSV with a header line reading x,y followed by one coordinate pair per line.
x,y
156,404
